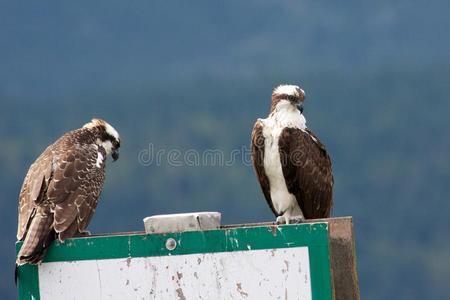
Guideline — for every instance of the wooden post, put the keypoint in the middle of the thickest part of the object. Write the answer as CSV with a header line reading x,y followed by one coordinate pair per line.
x,y
343,259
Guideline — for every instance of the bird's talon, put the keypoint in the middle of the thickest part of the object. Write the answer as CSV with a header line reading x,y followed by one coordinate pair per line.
x,y
281,220
297,220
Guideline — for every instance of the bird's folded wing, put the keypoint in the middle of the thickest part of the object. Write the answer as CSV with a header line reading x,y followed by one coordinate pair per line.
x,y
258,162
307,171
74,190
33,188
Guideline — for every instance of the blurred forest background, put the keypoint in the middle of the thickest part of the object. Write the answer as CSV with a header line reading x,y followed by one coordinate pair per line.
x,y
196,74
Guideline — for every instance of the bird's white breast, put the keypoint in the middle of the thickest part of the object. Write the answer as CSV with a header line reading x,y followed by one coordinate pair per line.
x,y
286,115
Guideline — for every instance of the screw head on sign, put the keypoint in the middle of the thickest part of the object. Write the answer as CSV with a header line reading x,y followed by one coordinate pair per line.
x,y
171,244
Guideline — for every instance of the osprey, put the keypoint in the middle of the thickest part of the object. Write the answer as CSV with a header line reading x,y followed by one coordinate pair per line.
x,y
61,189
292,165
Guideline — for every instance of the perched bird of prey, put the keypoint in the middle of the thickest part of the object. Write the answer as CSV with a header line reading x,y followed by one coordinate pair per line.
x,y
292,165
61,189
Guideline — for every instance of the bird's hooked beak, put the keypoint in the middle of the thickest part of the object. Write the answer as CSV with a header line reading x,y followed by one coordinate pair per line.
x,y
115,154
302,98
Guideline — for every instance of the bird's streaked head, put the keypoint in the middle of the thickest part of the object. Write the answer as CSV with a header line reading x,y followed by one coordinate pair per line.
x,y
292,93
108,137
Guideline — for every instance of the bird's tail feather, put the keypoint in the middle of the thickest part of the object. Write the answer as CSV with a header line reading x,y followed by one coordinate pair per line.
x,y
38,237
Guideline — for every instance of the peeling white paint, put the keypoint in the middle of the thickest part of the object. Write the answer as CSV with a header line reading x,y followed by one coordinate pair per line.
x,y
256,274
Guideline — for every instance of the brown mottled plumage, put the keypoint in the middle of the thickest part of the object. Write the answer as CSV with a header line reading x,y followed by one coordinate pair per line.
x,y
61,189
291,163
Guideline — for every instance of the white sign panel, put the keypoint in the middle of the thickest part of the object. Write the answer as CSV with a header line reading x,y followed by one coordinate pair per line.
x,y
282,273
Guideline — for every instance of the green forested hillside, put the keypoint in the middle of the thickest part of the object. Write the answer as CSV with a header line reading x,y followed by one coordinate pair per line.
x,y
390,158
193,78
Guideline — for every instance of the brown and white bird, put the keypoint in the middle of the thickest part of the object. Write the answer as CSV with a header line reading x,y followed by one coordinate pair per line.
x,y
61,189
292,165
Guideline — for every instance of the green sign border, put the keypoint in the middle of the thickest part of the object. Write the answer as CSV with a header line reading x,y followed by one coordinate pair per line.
x,y
311,235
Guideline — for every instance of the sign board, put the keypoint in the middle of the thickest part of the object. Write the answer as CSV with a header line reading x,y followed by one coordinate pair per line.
x,y
258,262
